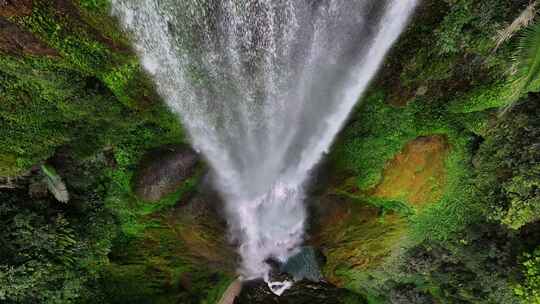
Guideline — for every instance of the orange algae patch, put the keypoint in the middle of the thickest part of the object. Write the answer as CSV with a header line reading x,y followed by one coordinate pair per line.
x,y
354,237
417,174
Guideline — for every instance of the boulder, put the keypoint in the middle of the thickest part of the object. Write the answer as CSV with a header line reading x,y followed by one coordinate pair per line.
x,y
162,171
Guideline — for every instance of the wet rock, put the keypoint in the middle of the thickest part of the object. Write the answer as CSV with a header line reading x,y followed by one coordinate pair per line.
x,y
12,8
18,42
303,292
163,170
304,265
231,293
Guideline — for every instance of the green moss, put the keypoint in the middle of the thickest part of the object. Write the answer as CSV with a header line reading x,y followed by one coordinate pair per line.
x,y
47,104
483,97
103,53
156,267
8,165
118,80
456,208
93,95
38,106
100,6
130,210
379,131
361,264
371,140
358,243
477,122
384,205
68,36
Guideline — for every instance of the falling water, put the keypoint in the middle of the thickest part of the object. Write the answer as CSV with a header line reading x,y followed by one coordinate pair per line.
x,y
263,87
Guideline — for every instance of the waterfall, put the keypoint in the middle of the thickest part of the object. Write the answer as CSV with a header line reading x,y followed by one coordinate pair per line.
x,y
263,87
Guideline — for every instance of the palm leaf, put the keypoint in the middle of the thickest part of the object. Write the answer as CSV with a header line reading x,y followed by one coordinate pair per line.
x,y
527,63
522,21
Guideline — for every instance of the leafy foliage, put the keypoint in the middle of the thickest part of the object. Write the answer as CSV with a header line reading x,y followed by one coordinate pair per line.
x,y
44,257
528,62
508,165
94,104
529,291
524,19
476,266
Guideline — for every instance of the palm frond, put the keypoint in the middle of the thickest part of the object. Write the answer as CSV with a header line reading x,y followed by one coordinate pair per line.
x,y
527,64
522,21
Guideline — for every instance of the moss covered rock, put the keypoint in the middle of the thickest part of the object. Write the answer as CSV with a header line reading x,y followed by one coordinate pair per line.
x,y
416,175
163,170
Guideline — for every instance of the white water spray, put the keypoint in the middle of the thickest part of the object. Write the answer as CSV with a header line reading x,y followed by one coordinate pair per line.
x,y
263,87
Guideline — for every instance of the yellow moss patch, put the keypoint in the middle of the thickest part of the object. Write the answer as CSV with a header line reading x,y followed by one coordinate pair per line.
x,y
354,237
417,174
197,227
8,165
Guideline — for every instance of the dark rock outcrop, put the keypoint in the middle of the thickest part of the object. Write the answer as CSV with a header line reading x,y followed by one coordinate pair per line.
x,y
19,42
303,292
309,287
12,8
163,170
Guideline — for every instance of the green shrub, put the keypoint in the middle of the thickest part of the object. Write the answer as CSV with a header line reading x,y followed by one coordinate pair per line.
x,y
508,162
529,291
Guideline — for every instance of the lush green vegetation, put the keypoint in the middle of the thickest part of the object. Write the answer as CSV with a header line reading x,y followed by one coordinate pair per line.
x,y
46,258
452,83
88,111
529,290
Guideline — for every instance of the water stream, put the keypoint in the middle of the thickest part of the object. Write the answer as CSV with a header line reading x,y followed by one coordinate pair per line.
x,y
263,87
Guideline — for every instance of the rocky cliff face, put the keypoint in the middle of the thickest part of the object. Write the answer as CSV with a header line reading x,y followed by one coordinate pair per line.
x,y
303,292
162,171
